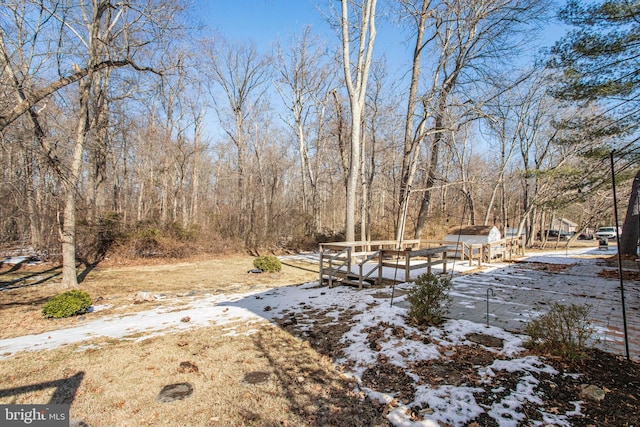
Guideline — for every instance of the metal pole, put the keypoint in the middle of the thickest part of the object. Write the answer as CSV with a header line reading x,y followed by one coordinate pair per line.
x,y
615,213
637,213
493,294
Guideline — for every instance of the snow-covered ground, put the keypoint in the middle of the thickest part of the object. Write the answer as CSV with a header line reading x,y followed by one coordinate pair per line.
x,y
452,405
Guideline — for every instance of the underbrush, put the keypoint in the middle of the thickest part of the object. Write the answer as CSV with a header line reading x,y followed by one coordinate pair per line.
x,y
148,240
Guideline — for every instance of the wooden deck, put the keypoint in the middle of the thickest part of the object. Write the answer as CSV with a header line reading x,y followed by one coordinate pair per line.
x,y
361,263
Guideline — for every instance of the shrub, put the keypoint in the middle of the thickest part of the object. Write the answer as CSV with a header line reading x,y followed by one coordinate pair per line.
x,y
429,300
267,263
67,304
563,331
183,234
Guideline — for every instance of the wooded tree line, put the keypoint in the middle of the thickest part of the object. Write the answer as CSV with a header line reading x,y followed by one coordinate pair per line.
x,y
123,121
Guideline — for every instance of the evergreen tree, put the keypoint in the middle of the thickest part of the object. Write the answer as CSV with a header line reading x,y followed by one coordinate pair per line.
x,y
600,62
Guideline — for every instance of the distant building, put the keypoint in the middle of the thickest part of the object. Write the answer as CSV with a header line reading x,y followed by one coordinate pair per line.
x,y
473,234
563,224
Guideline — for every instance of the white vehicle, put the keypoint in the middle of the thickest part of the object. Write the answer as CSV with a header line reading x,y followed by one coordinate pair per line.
x,y
608,232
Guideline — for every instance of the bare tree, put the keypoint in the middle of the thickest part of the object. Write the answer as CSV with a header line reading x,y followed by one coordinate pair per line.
x,y
242,76
303,83
551,170
99,35
505,125
468,40
418,13
356,79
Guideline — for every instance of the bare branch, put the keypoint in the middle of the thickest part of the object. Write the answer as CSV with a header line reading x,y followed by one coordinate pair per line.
x,y
33,98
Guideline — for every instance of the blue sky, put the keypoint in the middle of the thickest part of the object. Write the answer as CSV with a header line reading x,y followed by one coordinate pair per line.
x,y
260,20
266,21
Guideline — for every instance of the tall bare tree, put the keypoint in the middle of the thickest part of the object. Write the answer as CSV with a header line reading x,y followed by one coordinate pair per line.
x,y
99,35
468,40
303,82
242,74
356,78
418,13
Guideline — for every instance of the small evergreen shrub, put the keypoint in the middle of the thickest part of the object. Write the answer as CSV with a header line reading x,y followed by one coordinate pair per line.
x,y
267,263
67,304
183,234
429,300
563,331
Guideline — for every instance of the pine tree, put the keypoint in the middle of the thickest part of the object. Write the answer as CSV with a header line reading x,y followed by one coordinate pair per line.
x,y
599,61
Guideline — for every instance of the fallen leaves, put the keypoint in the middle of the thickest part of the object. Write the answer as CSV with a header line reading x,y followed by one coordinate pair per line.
x,y
188,367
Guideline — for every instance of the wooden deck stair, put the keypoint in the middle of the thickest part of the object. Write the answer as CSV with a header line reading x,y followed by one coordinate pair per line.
x,y
350,279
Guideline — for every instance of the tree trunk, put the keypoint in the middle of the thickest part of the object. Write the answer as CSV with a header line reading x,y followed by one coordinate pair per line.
x,y
195,177
32,192
411,143
353,174
439,127
631,226
70,183
68,239
357,90
492,199
97,174
425,205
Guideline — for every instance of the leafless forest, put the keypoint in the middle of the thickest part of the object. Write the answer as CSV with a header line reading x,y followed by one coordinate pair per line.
x,y
124,123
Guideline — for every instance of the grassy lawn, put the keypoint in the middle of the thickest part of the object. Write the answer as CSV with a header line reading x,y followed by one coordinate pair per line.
x,y
266,377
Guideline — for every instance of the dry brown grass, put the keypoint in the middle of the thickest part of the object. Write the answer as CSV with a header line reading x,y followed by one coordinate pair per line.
x,y
21,303
115,382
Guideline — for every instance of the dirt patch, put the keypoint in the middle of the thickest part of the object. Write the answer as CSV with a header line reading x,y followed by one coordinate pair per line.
x,y
543,266
464,366
389,378
486,340
614,274
617,378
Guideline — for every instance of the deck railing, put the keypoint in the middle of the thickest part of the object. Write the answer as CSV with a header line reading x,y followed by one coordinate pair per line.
x,y
338,260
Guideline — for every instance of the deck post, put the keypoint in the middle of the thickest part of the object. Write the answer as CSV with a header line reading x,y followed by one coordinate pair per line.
x,y
407,265
444,262
321,263
331,272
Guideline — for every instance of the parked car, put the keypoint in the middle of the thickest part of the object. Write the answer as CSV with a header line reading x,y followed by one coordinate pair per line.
x,y
554,235
585,236
608,232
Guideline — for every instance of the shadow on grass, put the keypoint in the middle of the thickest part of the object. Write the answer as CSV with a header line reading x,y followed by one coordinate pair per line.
x,y
42,276
65,389
24,281
31,302
315,391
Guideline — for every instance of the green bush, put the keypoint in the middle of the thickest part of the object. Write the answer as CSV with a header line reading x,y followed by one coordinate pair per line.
x,y
429,300
267,263
563,331
67,304
183,234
